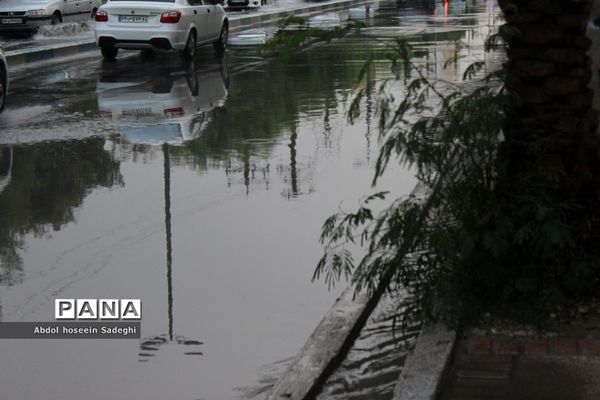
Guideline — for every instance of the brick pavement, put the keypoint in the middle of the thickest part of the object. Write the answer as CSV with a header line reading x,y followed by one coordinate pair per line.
x,y
524,368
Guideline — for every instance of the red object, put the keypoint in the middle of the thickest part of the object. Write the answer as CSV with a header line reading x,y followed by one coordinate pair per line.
x,y
101,16
174,112
170,17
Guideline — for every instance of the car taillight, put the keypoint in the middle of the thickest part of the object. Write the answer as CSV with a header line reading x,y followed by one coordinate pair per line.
x,y
106,114
170,17
101,16
174,112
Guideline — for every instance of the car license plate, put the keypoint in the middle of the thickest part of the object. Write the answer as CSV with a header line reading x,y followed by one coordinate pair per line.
x,y
133,19
11,20
136,112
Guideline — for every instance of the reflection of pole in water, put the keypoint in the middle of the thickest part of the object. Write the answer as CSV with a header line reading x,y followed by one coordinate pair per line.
x,y
294,172
247,172
326,123
149,346
369,92
167,176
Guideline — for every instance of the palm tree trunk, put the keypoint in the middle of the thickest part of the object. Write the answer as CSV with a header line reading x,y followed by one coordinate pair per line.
x,y
548,70
594,35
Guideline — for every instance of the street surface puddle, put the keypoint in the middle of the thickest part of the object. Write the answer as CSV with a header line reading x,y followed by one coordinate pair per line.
x,y
250,37
328,20
199,188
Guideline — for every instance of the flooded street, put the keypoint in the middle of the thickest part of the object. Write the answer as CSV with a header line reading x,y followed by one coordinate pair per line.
x,y
201,190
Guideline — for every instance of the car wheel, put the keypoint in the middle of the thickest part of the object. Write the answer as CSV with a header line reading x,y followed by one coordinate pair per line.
x,y
56,18
109,53
190,46
3,85
221,43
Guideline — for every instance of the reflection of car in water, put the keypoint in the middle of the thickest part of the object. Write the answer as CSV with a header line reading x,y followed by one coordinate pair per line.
x,y
168,106
5,166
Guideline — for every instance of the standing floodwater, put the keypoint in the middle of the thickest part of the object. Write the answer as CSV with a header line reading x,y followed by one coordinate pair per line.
x,y
199,189
371,368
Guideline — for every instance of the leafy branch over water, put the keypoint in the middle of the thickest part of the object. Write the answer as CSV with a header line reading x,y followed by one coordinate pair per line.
x,y
474,237
449,135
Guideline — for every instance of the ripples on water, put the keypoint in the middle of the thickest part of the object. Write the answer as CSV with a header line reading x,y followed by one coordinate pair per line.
x,y
268,376
373,365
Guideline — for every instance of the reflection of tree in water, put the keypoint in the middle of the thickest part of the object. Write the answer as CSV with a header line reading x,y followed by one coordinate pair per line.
x,y
262,111
48,183
263,107
255,172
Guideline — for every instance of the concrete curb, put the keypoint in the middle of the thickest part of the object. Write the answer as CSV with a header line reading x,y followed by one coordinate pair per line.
x,y
424,369
325,348
236,24
27,56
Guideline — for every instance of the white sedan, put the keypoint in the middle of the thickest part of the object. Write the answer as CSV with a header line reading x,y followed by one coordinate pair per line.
x,y
160,24
21,15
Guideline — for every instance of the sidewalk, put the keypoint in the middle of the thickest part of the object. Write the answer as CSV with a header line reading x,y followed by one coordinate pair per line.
x,y
564,366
